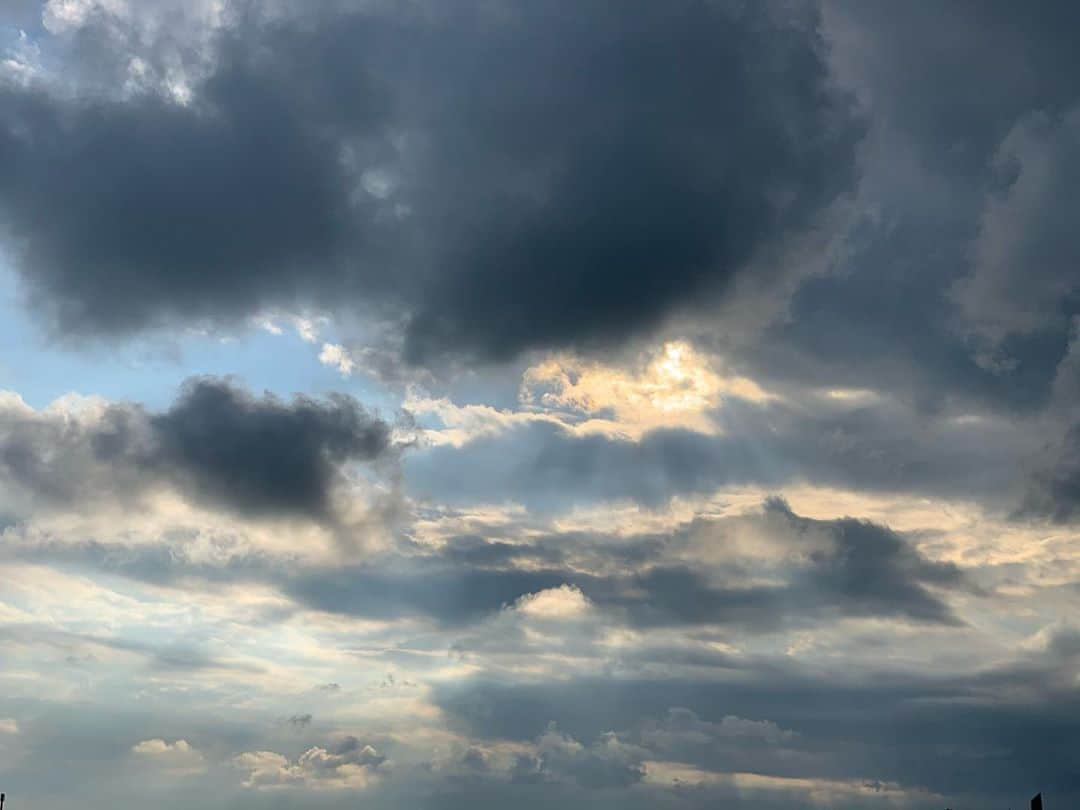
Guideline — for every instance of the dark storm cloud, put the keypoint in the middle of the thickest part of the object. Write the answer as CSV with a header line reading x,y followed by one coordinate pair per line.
x,y
124,213
651,191
509,177
888,320
260,455
956,287
871,569
1020,59
1054,488
955,282
256,455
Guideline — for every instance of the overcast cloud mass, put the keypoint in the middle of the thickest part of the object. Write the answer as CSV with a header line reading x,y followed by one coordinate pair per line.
x,y
536,403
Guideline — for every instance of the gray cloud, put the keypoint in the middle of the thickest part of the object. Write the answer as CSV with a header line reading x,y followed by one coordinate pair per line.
x,y
952,282
261,455
834,569
217,443
168,658
1024,278
972,739
869,445
1054,487
458,166
872,569
300,720
608,762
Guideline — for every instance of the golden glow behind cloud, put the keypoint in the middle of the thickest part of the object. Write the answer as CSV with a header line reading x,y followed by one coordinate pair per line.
x,y
670,386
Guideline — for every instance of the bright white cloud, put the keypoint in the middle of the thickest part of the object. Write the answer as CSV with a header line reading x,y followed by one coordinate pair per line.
x,y
337,356
177,757
564,602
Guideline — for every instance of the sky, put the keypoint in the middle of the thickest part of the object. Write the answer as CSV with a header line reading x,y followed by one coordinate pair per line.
x,y
537,403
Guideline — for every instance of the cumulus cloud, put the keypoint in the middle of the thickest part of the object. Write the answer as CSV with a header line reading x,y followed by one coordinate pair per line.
x,y
261,455
564,602
607,763
481,197
682,727
217,444
178,757
348,765
337,357
869,569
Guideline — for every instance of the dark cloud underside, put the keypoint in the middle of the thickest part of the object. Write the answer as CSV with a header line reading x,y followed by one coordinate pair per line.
x,y
217,443
534,177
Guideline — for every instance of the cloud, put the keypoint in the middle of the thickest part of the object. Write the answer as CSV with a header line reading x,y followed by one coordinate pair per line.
x,y
263,456
822,569
178,757
348,765
671,386
871,569
338,357
607,763
629,271
1054,486
217,444
564,602
923,295
864,727
683,727
473,188
861,443
1023,280
766,570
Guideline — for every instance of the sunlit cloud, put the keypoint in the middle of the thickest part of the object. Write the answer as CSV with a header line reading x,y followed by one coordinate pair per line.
x,y
177,757
671,386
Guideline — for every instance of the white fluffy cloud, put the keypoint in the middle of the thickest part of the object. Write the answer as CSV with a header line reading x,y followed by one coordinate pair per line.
x,y
564,602
177,757
348,765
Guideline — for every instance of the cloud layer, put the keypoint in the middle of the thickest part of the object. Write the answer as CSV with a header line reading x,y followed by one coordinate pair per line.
x,y
217,444
521,403
473,185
